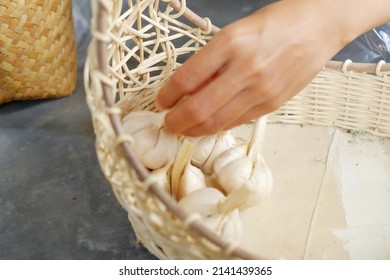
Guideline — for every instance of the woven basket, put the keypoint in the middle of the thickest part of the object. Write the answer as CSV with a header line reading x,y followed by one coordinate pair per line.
x,y
37,50
134,52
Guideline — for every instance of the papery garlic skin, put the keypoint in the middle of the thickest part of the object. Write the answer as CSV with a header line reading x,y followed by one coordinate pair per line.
x,y
242,172
162,177
209,148
154,145
137,120
260,183
162,152
192,179
203,149
228,156
204,202
225,141
235,174
258,187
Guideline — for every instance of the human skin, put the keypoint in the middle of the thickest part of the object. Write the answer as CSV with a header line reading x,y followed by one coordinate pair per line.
x,y
254,65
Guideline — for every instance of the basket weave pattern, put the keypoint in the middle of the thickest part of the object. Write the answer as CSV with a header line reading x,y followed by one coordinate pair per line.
x,y
133,53
37,50
343,98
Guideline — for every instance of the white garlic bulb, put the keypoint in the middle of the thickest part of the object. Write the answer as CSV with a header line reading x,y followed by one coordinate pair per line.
x,y
207,203
191,180
204,202
208,148
161,176
256,188
242,172
228,226
203,149
228,156
154,145
235,174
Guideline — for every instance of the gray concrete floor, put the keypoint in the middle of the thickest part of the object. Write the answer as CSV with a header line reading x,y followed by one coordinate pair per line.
x,y
54,201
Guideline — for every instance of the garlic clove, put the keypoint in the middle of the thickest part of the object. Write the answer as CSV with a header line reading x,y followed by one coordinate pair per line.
x,y
235,174
204,201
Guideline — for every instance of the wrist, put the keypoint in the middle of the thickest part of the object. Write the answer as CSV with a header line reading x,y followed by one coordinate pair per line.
x,y
351,18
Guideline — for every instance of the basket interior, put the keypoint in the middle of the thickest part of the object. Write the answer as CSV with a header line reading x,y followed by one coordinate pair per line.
x,y
149,40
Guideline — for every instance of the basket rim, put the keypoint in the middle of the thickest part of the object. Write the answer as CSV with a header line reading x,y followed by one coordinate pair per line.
x,y
129,155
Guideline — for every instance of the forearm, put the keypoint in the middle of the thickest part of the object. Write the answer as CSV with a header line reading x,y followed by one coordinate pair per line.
x,y
332,23
352,18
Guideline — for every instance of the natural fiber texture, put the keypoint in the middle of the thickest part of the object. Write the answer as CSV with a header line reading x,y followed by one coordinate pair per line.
x,y
347,99
37,49
133,54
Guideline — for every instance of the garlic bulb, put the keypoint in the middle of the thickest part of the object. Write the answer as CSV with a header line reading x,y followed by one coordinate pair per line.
x,y
228,156
210,147
235,174
204,147
204,202
228,226
191,180
161,176
256,188
242,172
153,143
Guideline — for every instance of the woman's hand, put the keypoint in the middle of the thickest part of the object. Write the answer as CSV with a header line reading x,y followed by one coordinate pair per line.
x,y
252,66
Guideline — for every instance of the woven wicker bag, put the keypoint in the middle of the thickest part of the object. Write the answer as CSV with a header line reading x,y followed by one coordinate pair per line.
x,y
133,52
37,50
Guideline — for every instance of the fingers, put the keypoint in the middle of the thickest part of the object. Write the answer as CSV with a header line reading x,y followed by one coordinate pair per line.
x,y
194,74
196,109
227,114
244,107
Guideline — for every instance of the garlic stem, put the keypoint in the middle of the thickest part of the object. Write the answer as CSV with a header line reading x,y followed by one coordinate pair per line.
x,y
256,141
237,199
183,156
